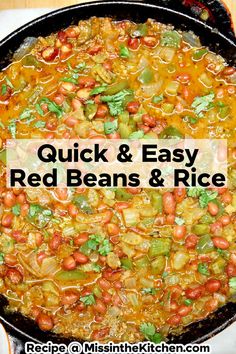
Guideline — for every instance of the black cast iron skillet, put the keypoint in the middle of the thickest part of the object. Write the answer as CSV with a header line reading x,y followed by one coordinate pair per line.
x,y
223,44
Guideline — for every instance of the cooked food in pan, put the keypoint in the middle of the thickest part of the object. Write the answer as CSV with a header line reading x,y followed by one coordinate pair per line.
x,y
118,264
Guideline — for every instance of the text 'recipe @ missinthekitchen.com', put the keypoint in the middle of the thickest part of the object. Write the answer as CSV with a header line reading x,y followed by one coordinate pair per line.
x,y
116,348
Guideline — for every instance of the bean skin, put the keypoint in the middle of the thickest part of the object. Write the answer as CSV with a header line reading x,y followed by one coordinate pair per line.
x,y
231,269
184,310
55,241
112,229
7,219
81,239
132,107
9,199
213,208
104,284
213,285
149,41
169,203
10,260
69,263
133,43
100,333
69,297
195,293
45,322
100,307
14,276
179,232
174,320
220,242
191,241
179,194
80,258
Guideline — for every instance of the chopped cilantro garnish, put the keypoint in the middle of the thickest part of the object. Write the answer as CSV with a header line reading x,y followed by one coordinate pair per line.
x,y
104,248
88,299
149,332
1,258
97,90
96,268
116,102
194,192
39,124
203,269
110,127
12,129
69,79
52,106
81,201
16,209
39,109
188,302
157,99
139,134
202,104
38,215
124,51
232,283
205,196
27,113
9,83
4,89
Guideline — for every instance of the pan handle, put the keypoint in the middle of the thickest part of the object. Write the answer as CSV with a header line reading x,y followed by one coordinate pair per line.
x,y
212,12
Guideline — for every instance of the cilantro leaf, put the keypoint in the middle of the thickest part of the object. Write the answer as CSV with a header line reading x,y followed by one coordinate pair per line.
x,y
12,129
38,215
202,103
25,114
124,51
97,90
82,203
94,241
157,99
139,134
96,268
194,192
1,258
16,209
88,299
39,124
116,102
69,79
4,89
39,110
149,332
52,106
110,127
206,197
105,247
203,269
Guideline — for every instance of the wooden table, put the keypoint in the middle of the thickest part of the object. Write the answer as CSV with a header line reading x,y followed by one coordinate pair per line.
x,y
15,4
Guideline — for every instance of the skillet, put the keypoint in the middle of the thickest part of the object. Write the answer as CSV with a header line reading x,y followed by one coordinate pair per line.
x,y
223,43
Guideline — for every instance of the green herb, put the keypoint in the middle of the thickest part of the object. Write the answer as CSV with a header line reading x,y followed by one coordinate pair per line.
x,y
205,196
188,302
194,192
223,253
94,241
4,89
170,39
96,268
202,104
9,83
190,119
52,106
39,124
111,127
105,247
116,102
12,129
16,209
25,114
151,291
149,332
157,99
1,258
77,68
39,109
232,283
97,90
124,51
203,269
89,102
81,202
38,215
139,134
88,300
69,79
179,221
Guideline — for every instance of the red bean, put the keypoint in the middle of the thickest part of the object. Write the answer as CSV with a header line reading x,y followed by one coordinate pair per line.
x,y
104,284
67,87
49,53
14,276
170,219
106,297
86,81
113,229
191,241
169,203
195,293
228,71
176,291
62,36
133,43
51,124
99,334
100,307
69,297
40,257
174,320
107,65
133,107
220,242
10,260
149,41
179,194
213,285
231,269
65,51
102,111
227,198
211,305
224,220
184,310
72,210
149,120
216,228
80,258
134,191
114,135
59,98
9,199
69,263
21,199
45,322
72,32
183,78
7,219
98,318
173,306
81,239
213,208
62,193
55,241
94,50
179,232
